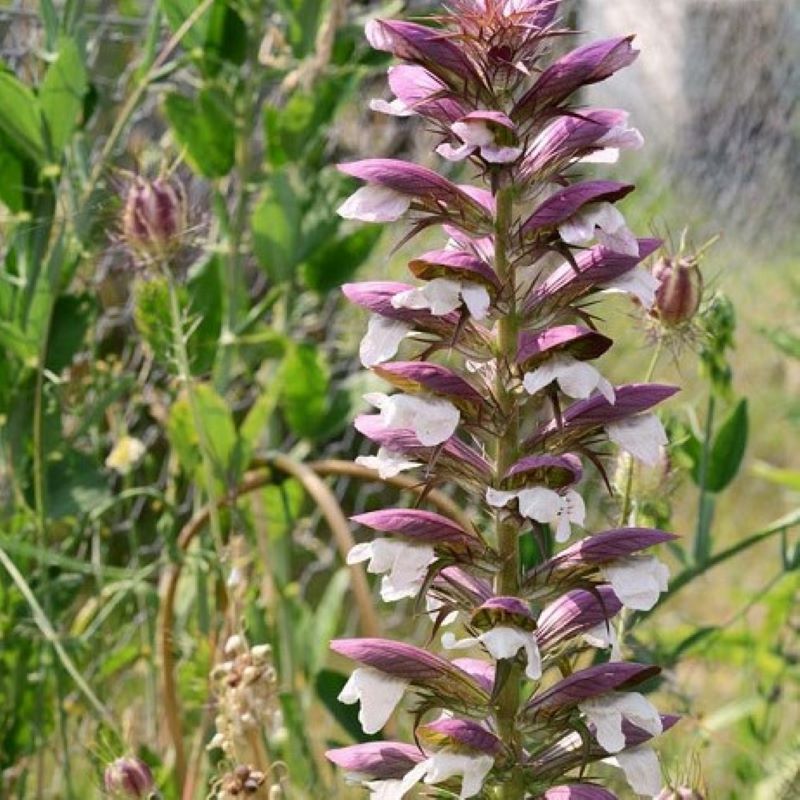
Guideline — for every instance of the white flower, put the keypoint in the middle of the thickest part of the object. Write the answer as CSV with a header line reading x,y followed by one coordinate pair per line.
x,y
375,203
378,693
381,340
608,711
126,454
576,378
433,606
503,642
637,282
446,764
476,134
394,108
606,222
443,295
620,137
641,768
603,636
642,436
637,580
546,506
403,565
433,420
387,463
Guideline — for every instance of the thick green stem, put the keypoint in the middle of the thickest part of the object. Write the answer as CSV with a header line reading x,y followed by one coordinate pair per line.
x,y
506,452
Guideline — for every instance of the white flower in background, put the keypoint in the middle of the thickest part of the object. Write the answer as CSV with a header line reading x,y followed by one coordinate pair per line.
x,y
126,454
441,296
641,768
637,580
575,378
375,203
387,463
642,436
382,339
433,420
608,712
403,565
636,282
604,221
502,642
546,506
378,693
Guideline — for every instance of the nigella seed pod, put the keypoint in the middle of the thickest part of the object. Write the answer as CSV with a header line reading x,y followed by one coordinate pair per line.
x,y
154,219
679,292
129,777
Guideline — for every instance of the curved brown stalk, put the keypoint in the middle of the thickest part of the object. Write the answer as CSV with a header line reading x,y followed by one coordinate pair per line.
x,y
308,476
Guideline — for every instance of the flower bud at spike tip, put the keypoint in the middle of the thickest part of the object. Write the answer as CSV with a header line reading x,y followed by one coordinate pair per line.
x,y
680,290
155,216
129,778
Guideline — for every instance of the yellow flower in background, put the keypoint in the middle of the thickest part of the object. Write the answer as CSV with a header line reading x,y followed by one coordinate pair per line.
x,y
125,455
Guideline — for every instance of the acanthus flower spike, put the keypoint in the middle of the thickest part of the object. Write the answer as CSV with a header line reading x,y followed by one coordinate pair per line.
x,y
496,337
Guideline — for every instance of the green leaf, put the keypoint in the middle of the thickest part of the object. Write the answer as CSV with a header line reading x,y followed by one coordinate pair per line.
x,y
217,424
790,478
72,316
335,262
12,180
786,341
205,127
61,95
728,450
226,38
326,620
21,118
75,485
177,12
305,380
204,289
276,225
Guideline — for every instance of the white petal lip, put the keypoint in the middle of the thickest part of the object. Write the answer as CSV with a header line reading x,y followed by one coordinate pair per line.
x,y
394,108
443,295
387,463
433,420
403,565
382,340
373,203
637,282
641,768
378,693
544,505
476,299
642,436
450,153
575,378
608,711
505,641
446,764
637,580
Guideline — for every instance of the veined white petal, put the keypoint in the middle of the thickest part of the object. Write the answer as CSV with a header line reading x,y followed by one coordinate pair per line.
x,y
608,155
378,694
447,764
394,108
608,711
539,503
542,376
450,153
359,552
450,642
578,229
637,580
433,420
637,282
505,641
443,296
620,241
382,339
641,768
434,606
623,137
642,436
473,132
500,155
497,498
373,203
476,299
387,463
385,790
572,510
409,568
604,636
